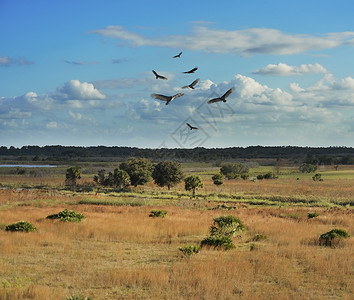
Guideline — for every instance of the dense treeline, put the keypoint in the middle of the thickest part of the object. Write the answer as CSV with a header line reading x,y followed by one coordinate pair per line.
x,y
320,155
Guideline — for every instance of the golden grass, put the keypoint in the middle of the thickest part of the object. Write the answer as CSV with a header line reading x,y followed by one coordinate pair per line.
x,y
121,253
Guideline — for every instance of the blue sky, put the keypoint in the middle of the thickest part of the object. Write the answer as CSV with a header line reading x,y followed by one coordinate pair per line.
x,y
80,73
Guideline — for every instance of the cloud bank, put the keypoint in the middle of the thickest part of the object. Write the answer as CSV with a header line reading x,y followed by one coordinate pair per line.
x,y
285,70
246,42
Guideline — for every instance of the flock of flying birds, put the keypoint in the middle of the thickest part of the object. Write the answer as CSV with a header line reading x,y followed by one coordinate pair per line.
x,y
168,99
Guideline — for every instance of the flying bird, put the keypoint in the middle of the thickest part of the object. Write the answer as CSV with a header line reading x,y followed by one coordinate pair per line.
x,y
191,85
192,127
223,97
168,99
191,71
159,76
178,55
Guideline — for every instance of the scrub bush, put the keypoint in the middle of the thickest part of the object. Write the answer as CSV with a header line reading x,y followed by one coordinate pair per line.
x,y
67,216
158,214
21,226
333,238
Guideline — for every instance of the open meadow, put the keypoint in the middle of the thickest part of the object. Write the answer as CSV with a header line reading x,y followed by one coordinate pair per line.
x,y
118,252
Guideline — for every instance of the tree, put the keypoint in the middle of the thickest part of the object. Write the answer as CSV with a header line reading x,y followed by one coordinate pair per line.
x,y
218,179
233,170
139,170
307,168
192,183
72,174
167,173
121,178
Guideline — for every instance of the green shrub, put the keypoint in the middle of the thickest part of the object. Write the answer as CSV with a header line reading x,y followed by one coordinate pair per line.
x,y
317,177
259,237
21,226
77,297
218,241
311,215
158,213
226,225
331,238
67,216
189,250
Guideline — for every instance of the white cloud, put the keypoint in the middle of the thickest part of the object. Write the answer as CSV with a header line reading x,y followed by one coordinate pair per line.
x,y
51,125
79,62
246,42
76,116
285,70
7,61
75,90
345,84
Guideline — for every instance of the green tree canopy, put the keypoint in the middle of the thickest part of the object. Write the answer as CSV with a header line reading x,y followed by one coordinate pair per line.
x,y
121,178
233,170
167,173
218,179
192,183
307,168
72,174
139,170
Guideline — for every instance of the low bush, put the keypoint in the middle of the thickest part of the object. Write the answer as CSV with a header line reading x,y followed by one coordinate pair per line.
x,y
77,297
218,242
259,237
226,225
21,226
311,215
158,214
333,237
189,250
67,216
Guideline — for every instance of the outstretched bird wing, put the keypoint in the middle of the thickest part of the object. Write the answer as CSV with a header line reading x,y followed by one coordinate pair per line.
x,y
194,83
159,76
192,127
177,95
178,55
215,100
160,97
191,71
227,94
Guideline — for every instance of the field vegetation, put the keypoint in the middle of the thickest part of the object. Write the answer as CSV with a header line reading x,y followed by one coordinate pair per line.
x,y
118,251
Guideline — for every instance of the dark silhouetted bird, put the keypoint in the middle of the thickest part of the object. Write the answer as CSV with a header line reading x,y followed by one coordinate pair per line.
x,y
168,99
191,85
191,71
159,76
223,97
178,55
192,127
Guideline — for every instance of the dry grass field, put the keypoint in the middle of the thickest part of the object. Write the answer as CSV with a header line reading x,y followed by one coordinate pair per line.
x,y
119,252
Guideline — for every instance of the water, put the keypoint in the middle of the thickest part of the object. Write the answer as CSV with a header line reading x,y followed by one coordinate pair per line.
x,y
27,166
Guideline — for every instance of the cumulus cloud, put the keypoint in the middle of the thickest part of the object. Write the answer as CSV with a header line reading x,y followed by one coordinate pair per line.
x,y
75,90
285,70
245,42
345,84
7,61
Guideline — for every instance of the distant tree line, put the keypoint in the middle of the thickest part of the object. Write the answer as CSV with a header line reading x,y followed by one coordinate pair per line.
x,y
311,155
